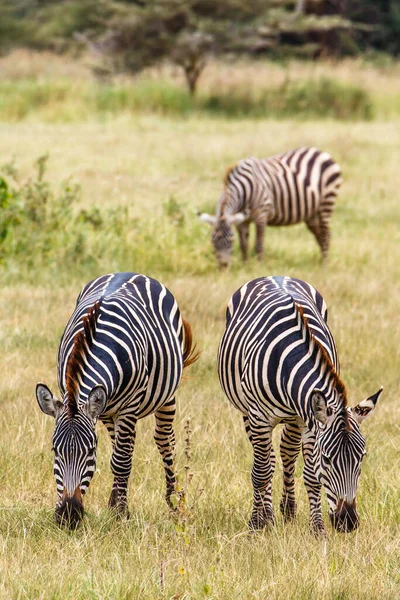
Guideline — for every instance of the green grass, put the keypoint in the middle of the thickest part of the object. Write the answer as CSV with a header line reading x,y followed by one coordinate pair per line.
x,y
160,170
68,101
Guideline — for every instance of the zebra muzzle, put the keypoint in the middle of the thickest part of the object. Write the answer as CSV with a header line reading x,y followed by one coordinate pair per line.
x,y
70,512
345,518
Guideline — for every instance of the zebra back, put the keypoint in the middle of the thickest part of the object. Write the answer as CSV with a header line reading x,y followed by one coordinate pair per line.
x,y
126,334
265,318
291,187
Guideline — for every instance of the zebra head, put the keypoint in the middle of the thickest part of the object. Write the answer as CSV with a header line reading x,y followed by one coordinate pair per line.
x,y
74,446
338,453
222,235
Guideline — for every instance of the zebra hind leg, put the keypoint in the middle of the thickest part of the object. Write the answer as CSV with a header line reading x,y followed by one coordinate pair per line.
x,y
289,449
324,236
121,465
263,469
164,437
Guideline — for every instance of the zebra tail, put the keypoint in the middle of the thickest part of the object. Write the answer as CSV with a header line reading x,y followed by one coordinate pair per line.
x,y
190,354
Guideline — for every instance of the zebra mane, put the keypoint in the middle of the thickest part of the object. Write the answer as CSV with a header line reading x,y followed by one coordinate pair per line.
x,y
337,382
224,202
228,173
82,341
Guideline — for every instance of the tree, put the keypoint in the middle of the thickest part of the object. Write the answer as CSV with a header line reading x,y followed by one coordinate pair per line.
x,y
186,32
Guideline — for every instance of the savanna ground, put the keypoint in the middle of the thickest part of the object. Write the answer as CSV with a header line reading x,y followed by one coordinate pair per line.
x,y
164,168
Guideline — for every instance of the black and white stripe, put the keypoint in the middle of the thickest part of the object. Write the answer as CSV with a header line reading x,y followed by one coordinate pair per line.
x,y
300,185
120,359
278,364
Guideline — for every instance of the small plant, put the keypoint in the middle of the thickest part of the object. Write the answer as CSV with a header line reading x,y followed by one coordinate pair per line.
x,y
174,211
44,231
182,511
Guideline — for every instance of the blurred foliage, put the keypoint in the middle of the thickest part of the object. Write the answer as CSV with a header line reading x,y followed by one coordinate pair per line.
x,y
43,230
59,101
128,36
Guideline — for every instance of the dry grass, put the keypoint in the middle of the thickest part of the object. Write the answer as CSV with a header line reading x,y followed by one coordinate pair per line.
x,y
380,81
141,162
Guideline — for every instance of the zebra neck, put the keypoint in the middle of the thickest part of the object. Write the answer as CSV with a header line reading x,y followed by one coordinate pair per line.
x,y
232,204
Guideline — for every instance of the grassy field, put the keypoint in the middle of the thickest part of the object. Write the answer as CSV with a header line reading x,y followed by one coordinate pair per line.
x,y
140,162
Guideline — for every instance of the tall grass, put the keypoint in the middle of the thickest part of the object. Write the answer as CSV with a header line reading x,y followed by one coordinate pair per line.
x,y
63,100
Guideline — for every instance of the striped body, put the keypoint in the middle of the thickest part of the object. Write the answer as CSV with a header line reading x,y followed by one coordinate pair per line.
x,y
297,186
120,359
137,351
278,364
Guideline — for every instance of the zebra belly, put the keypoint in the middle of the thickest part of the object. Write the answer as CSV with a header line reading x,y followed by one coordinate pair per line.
x,y
291,210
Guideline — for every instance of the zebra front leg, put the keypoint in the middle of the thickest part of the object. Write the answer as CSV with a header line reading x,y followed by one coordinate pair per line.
x,y
121,464
260,232
243,231
312,484
164,437
262,471
289,448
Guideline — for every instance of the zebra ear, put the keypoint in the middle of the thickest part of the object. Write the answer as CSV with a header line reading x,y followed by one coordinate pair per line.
x,y
96,402
319,406
365,408
47,402
210,219
237,218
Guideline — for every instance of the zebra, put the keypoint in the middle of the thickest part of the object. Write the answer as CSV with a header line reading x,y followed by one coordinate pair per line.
x,y
277,363
120,359
300,185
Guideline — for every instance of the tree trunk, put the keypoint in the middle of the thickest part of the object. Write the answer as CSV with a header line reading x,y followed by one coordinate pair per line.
x,y
300,7
193,70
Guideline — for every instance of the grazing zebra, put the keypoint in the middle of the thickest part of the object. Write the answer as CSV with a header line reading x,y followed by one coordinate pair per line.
x,y
120,359
300,185
278,364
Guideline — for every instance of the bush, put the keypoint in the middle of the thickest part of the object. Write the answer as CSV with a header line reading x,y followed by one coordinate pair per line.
x,y
324,98
43,232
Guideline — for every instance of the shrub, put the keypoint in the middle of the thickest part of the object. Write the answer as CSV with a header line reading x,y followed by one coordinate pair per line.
x,y
43,232
324,97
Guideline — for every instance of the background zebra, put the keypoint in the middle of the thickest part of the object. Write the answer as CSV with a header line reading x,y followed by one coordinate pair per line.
x,y
300,185
120,358
278,364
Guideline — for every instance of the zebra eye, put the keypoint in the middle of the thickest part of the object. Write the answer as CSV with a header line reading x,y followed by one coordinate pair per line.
x,y
326,460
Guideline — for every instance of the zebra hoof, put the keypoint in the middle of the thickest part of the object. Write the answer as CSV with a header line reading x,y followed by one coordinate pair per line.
x,y
118,507
121,512
261,520
318,529
288,510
